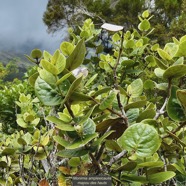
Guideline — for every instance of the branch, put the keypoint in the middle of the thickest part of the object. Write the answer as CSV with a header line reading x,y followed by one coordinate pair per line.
x,y
117,157
116,86
175,130
162,110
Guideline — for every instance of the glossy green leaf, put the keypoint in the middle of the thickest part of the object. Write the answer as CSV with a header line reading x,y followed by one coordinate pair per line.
x,y
21,123
54,58
155,47
146,114
101,91
76,96
163,54
8,151
135,89
107,101
149,84
133,178
47,56
128,62
132,114
3,164
74,162
181,95
180,168
82,142
113,145
171,49
102,138
63,78
176,71
68,153
181,50
179,61
161,64
144,25
136,104
21,141
116,37
46,93
150,60
60,124
60,63
91,80
174,109
130,43
142,139
89,127
66,48
32,78
162,86
151,164
159,72
77,56
30,59
161,177
72,88
45,140
61,141
129,166
145,14
47,76
85,118
65,117
40,156
49,67
36,53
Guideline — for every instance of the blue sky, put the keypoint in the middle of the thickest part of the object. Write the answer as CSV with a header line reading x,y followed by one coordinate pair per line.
x,y
22,28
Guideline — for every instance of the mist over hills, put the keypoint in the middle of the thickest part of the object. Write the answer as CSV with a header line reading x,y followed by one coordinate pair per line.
x,y
22,30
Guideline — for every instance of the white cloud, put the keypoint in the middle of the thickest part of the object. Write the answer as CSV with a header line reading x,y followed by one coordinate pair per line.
x,y
22,28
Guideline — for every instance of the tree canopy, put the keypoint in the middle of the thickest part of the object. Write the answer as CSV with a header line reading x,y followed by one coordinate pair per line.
x,y
168,18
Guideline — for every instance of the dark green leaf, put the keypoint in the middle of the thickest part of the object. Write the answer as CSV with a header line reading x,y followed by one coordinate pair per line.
x,y
8,151
181,95
82,142
72,88
77,56
107,101
146,114
161,177
174,109
46,93
60,141
68,153
60,124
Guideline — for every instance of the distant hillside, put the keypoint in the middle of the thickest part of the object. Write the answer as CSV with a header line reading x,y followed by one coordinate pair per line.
x,y
19,59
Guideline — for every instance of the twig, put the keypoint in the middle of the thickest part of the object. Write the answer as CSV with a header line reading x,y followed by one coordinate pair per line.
x,y
117,157
116,86
175,130
109,109
161,111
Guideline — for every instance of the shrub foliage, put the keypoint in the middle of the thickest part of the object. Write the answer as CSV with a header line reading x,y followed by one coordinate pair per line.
x,y
83,111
